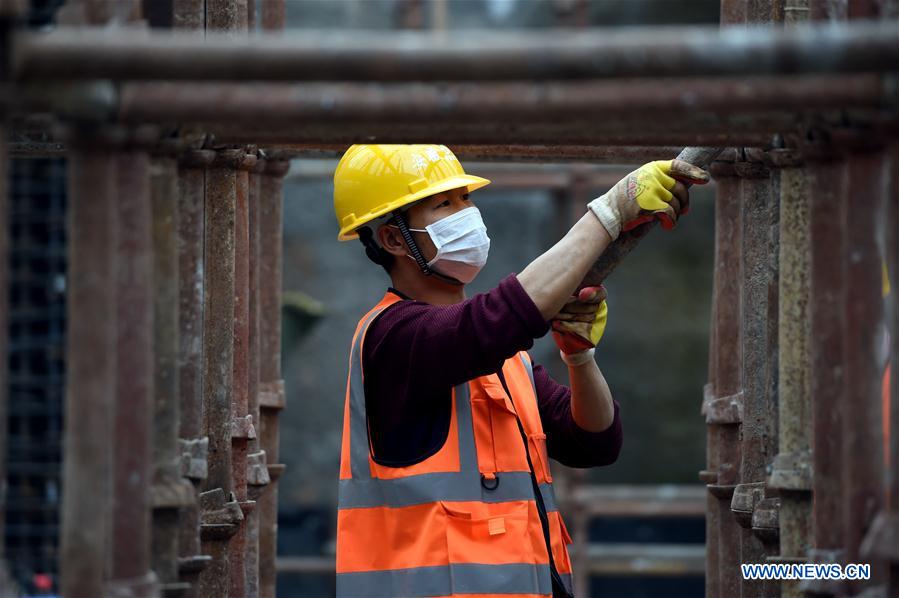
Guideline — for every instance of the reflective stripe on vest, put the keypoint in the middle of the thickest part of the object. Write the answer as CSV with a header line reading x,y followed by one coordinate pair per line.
x,y
458,578
363,491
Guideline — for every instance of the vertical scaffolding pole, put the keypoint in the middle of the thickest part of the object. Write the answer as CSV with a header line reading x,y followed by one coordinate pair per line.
x,y
791,471
193,441
759,314
170,493
724,411
828,195
271,386
274,15
90,367
242,422
862,438
133,408
257,472
221,513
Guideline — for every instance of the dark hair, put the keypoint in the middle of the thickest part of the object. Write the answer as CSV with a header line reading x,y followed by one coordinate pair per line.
x,y
375,252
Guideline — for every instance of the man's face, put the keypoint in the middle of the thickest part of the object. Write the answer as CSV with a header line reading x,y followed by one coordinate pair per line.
x,y
432,209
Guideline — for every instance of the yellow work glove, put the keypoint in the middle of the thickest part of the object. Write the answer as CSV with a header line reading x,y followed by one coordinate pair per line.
x,y
581,322
645,194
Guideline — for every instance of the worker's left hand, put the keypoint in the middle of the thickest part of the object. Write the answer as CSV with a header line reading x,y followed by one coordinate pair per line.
x,y
580,324
655,190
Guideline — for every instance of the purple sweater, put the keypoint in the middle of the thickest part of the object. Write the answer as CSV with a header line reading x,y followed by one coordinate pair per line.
x,y
414,353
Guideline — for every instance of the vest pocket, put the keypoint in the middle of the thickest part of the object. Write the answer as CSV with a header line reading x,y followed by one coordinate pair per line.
x,y
496,431
489,533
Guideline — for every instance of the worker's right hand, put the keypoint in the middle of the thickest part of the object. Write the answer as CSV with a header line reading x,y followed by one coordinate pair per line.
x,y
655,190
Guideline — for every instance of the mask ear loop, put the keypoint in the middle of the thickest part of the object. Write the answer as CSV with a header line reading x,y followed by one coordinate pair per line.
x,y
416,252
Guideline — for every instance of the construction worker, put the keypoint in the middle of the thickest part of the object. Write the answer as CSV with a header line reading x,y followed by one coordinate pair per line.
x,y
445,485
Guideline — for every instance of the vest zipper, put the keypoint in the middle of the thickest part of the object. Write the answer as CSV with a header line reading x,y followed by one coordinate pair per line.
x,y
538,496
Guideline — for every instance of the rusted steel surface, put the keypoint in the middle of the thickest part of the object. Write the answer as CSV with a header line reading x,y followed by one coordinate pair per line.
x,y
271,387
553,153
188,14
722,406
733,12
191,221
170,493
133,407
758,431
862,438
828,198
218,314
790,472
228,16
700,129
764,11
724,410
242,426
90,369
257,473
412,56
276,103
218,375
273,14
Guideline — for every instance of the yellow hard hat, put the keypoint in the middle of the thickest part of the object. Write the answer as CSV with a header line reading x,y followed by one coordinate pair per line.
x,y
373,180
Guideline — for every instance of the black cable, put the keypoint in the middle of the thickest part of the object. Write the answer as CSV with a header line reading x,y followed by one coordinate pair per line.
x,y
410,242
416,252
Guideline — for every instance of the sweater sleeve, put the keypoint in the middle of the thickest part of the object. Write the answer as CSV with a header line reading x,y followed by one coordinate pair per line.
x,y
414,353
566,442
445,345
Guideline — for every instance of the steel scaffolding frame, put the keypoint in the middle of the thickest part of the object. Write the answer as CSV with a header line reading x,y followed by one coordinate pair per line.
x,y
185,373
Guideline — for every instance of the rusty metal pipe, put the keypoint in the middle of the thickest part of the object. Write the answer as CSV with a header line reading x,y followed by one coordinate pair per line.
x,y
271,386
409,56
790,472
274,13
191,221
257,473
277,103
90,369
171,494
700,129
828,198
724,411
219,522
862,438
242,429
133,408
758,432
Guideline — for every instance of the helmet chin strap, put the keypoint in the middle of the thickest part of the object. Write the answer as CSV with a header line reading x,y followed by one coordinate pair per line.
x,y
416,252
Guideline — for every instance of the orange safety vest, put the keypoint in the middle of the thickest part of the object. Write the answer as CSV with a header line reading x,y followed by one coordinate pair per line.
x,y
466,520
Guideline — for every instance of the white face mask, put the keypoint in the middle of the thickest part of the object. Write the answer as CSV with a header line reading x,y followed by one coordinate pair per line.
x,y
462,244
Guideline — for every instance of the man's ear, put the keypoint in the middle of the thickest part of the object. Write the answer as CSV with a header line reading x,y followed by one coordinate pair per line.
x,y
391,240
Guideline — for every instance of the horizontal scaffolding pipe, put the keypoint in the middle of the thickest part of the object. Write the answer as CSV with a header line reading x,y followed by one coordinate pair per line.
x,y
596,154
128,54
702,129
256,103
